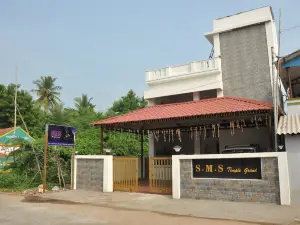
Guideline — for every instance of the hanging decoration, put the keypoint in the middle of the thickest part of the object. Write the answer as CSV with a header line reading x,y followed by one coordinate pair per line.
x,y
179,134
164,133
244,123
256,124
238,124
148,132
218,125
242,126
169,132
266,119
213,126
204,134
172,135
191,130
232,127
200,131
156,135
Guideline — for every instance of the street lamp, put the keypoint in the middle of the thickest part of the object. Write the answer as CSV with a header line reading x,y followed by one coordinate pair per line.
x,y
107,150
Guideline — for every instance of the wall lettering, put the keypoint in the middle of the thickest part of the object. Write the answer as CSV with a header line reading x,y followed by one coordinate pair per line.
x,y
229,168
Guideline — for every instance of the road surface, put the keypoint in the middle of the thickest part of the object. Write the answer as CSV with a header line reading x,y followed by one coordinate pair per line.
x,y
14,211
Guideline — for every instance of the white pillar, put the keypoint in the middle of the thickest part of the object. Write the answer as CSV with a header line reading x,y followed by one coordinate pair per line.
x,y
176,177
196,96
220,93
151,145
151,102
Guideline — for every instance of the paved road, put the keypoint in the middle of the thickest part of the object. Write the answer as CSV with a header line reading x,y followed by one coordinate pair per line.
x,y
15,212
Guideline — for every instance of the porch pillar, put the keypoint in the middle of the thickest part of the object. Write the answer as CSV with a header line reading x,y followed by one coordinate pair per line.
x,y
196,96
151,145
101,141
142,156
151,102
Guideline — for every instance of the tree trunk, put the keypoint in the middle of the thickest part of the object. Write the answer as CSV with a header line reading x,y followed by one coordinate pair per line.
x,y
62,177
58,170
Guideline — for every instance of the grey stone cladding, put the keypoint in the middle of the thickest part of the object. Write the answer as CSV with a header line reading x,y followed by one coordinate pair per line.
x,y
245,63
265,190
89,174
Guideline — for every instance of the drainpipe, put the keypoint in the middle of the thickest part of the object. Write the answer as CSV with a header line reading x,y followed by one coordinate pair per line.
x,y
275,91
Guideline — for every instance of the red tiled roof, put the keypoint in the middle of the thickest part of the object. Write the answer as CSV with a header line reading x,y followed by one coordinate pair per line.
x,y
188,109
5,130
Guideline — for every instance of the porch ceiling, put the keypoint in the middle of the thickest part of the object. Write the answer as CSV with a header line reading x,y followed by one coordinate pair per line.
x,y
200,112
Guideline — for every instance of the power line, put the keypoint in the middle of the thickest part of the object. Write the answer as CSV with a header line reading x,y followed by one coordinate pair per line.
x,y
291,28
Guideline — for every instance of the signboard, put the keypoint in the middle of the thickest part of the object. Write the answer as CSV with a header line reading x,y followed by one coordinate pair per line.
x,y
61,135
229,168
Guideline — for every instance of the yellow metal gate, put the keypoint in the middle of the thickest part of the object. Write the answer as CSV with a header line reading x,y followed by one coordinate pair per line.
x,y
125,174
160,175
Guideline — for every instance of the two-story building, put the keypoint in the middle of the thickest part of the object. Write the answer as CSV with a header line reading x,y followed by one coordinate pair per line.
x,y
200,111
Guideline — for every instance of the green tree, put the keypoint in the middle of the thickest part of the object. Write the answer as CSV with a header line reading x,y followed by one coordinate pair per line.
x,y
26,110
83,103
57,115
126,104
47,92
125,144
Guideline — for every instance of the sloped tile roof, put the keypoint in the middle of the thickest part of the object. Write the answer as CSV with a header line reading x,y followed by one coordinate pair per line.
x,y
188,109
289,124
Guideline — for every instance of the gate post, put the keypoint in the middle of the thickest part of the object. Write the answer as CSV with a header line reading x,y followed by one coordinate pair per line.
x,y
108,174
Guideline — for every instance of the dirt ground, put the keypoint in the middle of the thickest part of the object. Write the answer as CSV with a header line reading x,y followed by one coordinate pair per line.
x,y
15,211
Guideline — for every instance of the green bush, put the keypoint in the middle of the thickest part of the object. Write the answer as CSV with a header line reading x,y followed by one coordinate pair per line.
x,y
12,181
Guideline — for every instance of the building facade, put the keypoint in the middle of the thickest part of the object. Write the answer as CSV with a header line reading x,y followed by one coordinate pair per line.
x,y
241,65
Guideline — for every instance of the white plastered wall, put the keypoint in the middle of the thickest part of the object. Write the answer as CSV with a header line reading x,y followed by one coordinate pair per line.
x,y
293,155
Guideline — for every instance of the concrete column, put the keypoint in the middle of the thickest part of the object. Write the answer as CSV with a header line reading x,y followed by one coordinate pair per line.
x,y
197,143
151,145
151,102
220,93
196,96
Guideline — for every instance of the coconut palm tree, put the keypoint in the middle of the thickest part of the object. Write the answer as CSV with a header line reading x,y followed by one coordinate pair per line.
x,y
83,103
47,92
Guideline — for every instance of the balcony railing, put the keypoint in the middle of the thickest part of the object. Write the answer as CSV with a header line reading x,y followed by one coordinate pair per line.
x,y
175,71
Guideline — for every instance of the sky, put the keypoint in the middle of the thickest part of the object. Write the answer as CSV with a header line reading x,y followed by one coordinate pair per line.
x,y
103,48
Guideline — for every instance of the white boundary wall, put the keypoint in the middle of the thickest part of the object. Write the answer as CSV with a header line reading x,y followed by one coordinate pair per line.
x,y
283,171
107,170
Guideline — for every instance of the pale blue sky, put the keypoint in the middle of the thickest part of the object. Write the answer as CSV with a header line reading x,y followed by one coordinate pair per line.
x,y
102,48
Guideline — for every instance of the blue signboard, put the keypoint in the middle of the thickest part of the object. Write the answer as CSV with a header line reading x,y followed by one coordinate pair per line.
x,y
61,135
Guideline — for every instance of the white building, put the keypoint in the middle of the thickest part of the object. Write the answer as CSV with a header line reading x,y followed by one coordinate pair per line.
x,y
240,66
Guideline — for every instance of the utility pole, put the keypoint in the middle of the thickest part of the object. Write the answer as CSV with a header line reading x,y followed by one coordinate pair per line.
x,y
276,79
15,102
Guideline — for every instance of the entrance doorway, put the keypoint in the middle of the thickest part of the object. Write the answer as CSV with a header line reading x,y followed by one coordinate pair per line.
x,y
126,175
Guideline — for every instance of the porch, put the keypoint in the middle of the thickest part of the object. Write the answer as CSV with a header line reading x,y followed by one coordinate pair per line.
x,y
189,128
195,135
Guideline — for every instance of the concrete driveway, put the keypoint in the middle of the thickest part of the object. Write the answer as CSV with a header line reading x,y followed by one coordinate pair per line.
x,y
15,212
